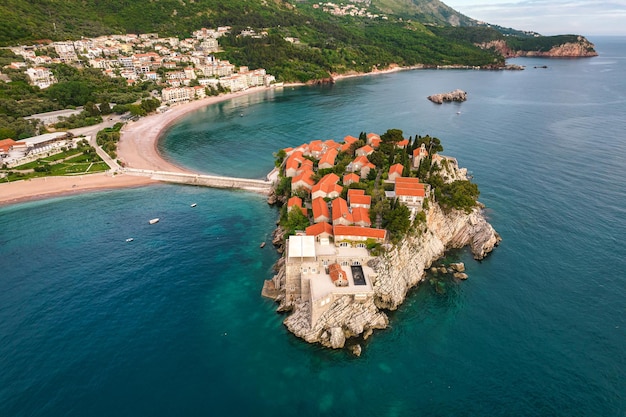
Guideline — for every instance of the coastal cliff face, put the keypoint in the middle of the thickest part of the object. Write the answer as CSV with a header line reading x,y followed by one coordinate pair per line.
x,y
398,270
404,266
581,48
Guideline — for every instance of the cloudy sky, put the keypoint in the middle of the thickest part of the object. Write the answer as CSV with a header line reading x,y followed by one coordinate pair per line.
x,y
549,17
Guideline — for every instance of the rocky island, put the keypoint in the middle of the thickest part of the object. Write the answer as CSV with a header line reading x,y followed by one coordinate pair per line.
x,y
353,246
456,95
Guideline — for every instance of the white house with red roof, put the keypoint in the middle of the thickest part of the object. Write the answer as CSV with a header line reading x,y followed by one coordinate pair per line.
x,y
296,203
316,149
357,234
361,216
360,200
337,275
350,178
395,171
402,144
292,164
320,231
419,154
328,159
347,142
341,213
327,187
320,210
364,151
361,163
410,192
302,181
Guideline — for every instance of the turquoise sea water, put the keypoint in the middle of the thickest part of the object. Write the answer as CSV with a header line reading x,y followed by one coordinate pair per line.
x,y
173,323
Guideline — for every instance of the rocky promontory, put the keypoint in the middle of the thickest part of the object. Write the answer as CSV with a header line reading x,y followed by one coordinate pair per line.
x,y
399,268
456,95
581,48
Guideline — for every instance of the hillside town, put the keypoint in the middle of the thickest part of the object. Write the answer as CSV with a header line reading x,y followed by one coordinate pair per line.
x,y
330,186
185,68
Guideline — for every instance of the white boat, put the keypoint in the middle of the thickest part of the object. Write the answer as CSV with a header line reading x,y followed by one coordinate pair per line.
x,y
194,204
130,239
153,221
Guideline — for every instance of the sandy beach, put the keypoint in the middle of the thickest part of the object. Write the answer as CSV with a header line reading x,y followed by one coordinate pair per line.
x,y
137,149
46,187
138,143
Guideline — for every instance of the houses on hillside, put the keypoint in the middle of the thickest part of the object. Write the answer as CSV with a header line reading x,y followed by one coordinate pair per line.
x,y
168,61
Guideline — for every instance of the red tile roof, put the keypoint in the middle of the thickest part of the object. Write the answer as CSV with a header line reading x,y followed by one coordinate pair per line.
x,y
402,144
351,177
329,157
410,187
350,139
360,199
320,209
294,201
365,150
421,151
368,232
340,210
361,216
331,144
396,169
337,275
318,229
355,191
306,176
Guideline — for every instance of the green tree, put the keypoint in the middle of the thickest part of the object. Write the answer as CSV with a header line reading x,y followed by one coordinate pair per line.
x,y
397,220
296,220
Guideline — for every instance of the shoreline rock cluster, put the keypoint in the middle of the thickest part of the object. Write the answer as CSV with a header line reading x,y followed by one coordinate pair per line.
x,y
456,95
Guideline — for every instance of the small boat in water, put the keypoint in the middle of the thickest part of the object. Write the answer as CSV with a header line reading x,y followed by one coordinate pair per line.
x,y
130,239
153,221
262,245
194,204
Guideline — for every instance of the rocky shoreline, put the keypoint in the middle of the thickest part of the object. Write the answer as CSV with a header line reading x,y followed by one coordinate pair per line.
x,y
399,269
456,95
581,49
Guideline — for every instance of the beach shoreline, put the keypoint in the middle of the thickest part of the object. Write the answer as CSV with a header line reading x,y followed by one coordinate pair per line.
x,y
49,187
138,149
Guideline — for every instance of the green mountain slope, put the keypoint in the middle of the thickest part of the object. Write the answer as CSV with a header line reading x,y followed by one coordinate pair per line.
x,y
424,11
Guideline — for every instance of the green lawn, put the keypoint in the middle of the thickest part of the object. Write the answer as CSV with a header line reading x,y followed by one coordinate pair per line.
x,y
75,162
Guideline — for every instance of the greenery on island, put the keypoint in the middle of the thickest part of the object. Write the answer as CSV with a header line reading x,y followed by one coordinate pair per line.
x,y
80,160
293,220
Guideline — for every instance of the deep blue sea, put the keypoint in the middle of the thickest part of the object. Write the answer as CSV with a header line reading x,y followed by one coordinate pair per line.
x,y
173,323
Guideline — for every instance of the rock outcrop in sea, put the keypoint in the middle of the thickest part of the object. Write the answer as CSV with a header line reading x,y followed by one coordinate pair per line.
x,y
399,269
456,95
581,48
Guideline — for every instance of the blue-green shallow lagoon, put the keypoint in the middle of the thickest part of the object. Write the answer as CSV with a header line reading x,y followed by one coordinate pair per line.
x,y
173,322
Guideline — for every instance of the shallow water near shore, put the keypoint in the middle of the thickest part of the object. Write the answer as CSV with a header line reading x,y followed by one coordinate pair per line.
x,y
173,323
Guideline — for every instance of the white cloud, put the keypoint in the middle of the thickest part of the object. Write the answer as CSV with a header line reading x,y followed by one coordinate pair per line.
x,y
549,17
